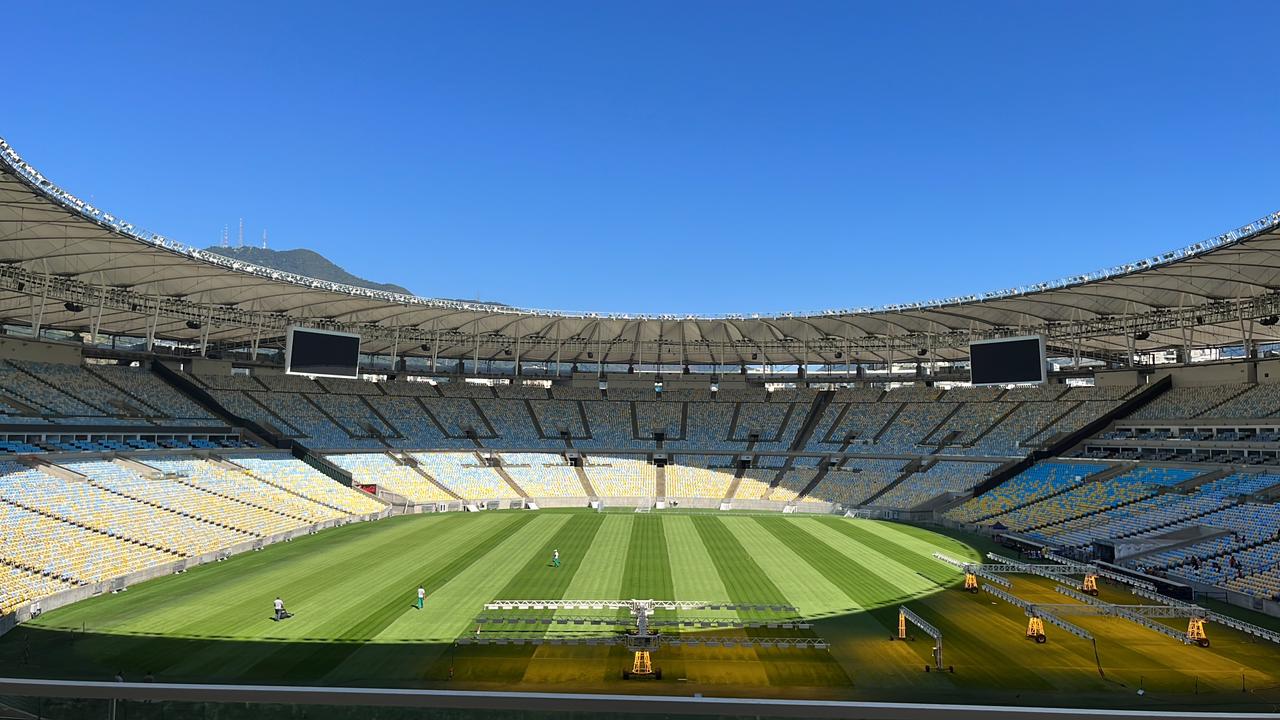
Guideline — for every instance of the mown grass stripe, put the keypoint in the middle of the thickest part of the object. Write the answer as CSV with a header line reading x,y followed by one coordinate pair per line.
x,y
451,610
379,612
891,563
648,568
751,573
918,557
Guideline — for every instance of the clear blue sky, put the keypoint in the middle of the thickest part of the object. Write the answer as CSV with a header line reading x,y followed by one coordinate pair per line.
x,y
663,157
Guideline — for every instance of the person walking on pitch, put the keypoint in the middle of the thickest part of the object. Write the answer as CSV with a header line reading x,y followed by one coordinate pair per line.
x,y
555,559
422,596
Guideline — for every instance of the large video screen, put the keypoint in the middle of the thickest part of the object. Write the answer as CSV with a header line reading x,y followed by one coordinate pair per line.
x,y
322,352
1007,360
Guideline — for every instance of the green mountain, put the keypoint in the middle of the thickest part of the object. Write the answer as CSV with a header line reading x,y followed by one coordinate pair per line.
x,y
303,262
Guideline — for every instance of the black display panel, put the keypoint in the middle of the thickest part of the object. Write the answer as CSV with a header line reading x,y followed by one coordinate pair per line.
x,y
1008,360
320,352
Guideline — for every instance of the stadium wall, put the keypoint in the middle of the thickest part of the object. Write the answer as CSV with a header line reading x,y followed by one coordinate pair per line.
x,y
38,351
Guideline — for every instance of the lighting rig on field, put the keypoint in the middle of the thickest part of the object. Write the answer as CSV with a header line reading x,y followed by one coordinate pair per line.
x,y
1057,572
638,633
905,615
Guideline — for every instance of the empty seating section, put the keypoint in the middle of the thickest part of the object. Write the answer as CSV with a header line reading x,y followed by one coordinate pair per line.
x,y
146,385
119,516
543,474
1036,482
948,476
343,386
659,417
242,404
521,392
786,435
79,383
562,392
792,483
754,484
20,587
237,483
1188,402
1093,497
968,422
304,415
185,499
353,414
861,421
39,395
707,428
457,416
762,420
909,429
416,428
611,428
854,482
289,383
1075,419
298,477
615,476
1027,421
692,476
69,552
557,416
463,389
383,471
511,421
409,388
1259,401
463,474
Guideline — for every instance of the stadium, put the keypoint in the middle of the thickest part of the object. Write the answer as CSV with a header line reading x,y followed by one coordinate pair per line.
x,y
1055,495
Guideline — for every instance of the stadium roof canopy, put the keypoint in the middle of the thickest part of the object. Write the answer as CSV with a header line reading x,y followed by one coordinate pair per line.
x,y
66,264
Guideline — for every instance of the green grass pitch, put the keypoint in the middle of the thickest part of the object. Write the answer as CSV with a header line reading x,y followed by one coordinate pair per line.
x,y
353,589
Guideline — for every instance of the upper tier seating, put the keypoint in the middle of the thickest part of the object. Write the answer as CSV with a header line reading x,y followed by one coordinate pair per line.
x,y
1188,402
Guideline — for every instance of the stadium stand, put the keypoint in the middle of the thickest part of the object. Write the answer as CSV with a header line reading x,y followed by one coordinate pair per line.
x,y
692,476
857,479
542,474
948,476
463,475
619,476
383,471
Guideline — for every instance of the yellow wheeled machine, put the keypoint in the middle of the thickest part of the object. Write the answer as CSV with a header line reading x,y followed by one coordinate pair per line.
x,y
1035,630
1195,632
971,582
1090,586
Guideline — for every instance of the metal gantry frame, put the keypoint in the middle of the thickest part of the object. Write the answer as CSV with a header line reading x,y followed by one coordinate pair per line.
x,y
905,615
637,633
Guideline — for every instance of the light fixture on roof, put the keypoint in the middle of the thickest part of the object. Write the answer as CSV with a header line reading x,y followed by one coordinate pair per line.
x,y
1141,335
1269,320
73,307
193,325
